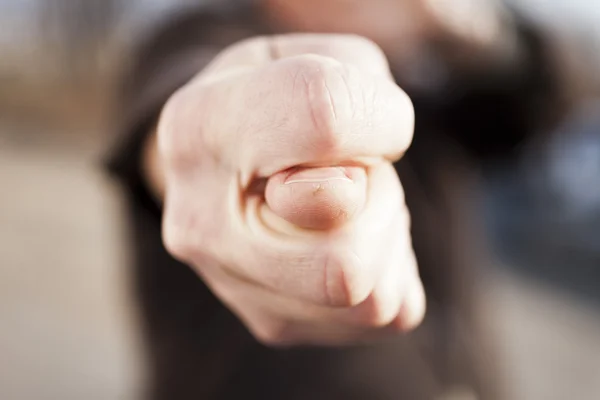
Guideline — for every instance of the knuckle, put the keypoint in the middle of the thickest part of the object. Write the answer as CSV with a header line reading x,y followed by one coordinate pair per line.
x,y
179,234
179,128
347,282
404,323
379,312
390,106
412,311
176,242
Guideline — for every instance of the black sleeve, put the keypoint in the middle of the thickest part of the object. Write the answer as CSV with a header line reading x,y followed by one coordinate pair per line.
x,y
490,112
164,61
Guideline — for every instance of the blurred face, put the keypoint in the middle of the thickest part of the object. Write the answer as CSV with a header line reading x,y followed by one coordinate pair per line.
x,y
373,18
393,23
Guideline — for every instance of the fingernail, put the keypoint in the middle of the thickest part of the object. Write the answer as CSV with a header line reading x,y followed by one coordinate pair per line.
x,y
307,175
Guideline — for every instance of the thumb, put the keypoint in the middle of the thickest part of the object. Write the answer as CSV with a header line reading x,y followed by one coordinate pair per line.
x,y
317,198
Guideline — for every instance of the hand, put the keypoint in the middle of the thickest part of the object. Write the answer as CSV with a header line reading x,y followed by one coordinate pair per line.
x,y
280,192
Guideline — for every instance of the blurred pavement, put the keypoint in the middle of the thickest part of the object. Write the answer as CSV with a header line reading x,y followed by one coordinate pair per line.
x,y
67,328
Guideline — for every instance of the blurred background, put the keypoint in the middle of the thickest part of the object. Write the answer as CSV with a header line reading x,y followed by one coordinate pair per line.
x,y
68,329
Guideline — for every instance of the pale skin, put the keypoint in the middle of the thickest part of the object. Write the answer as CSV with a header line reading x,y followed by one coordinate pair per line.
x,y
274,166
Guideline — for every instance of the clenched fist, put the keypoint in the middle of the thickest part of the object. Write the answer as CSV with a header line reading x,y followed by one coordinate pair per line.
x,y
279,188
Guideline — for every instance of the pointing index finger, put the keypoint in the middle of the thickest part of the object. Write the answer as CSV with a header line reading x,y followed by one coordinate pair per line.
x,y
307,110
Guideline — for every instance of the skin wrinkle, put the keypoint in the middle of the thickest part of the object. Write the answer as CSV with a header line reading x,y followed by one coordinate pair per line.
x,y
334,273
327,283
239,208
324,122
346,284
331,103
352,136
313,117
344,74
244,124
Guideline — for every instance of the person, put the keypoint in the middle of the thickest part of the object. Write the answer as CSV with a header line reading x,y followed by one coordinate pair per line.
x,y
290,231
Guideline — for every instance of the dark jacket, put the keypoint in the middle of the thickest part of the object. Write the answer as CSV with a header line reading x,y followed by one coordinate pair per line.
x,y
199,350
